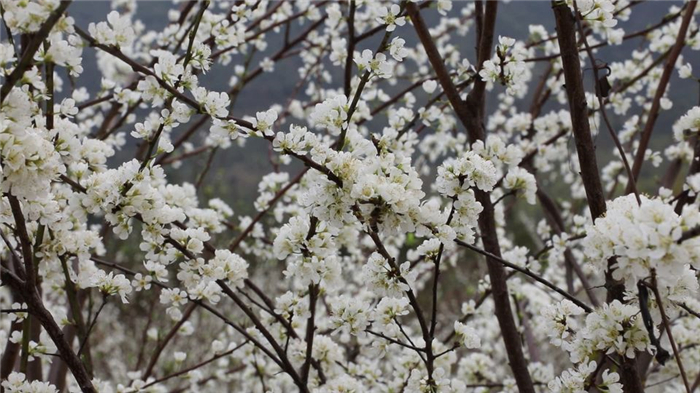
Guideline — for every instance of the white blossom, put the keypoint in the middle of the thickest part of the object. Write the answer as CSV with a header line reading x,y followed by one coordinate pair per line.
x,y
389,16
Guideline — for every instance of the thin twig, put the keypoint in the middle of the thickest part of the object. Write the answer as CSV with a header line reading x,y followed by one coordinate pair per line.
x,y
667,326
92,324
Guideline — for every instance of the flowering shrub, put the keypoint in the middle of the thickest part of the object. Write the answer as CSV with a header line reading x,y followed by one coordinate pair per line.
x,y
400,258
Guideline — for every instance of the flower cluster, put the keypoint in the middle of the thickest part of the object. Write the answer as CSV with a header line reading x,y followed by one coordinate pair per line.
x,y
507,67
388,280
600,11
581,379
119,32
468,170
27,16
331,114
17,383
376,65
644,239
467,336
522,182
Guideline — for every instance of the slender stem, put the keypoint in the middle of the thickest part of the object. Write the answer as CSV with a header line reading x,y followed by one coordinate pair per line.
x,y
395,341
196,366
667,327
237,241
528,273
202,175
92,324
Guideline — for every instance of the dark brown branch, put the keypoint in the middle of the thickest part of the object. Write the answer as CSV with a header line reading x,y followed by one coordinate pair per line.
x,y
579,110
566,36
33,300
690,234
25,244
351,48
470,115
284,361
310,330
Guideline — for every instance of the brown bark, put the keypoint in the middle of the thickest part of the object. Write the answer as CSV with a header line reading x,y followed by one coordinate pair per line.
x,y
37,309
566,35
59,368
9,355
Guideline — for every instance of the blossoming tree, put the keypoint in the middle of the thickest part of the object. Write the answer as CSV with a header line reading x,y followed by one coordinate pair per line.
x,y
408,237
